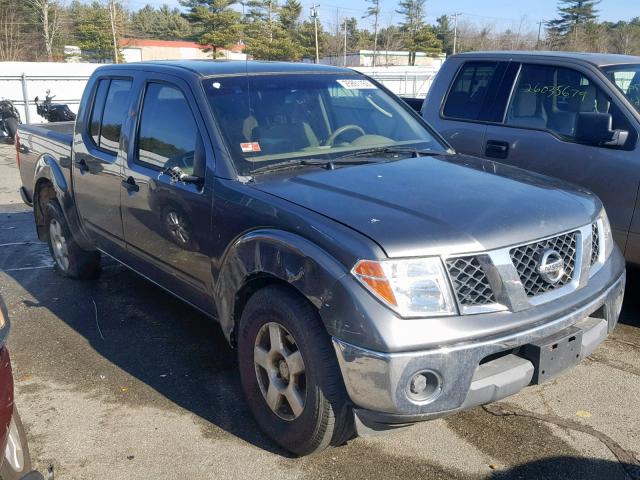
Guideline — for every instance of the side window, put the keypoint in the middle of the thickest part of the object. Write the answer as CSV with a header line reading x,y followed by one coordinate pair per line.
x,y
168,133
115,112
469,97
98,108
550,98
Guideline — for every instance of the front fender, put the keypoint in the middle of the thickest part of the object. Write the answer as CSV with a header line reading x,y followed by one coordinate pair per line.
x,y
278,254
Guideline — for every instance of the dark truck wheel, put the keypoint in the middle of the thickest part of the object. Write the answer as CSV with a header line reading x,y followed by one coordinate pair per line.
x,y
290,373
71,260
16,461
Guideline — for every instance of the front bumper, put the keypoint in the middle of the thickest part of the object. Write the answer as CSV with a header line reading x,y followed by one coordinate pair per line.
x,y
471,373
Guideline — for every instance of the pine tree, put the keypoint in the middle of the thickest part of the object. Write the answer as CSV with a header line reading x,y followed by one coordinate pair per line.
x,y
290,14
417,35
444,33
374,11
573,16
163,23
216,23
266,36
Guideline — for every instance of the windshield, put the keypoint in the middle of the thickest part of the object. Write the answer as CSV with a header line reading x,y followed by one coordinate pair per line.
x,y
627,79
270,119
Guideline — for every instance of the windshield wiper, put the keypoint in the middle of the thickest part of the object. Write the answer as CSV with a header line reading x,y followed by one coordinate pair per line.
x,y
414,152
328,164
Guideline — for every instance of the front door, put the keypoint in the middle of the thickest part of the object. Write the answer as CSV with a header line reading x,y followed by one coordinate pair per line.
x,y
167,221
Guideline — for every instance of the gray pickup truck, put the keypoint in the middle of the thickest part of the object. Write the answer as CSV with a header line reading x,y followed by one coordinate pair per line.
x,y
368,275
574,116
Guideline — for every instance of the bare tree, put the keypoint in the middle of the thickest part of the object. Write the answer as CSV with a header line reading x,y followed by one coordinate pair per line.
x,y
11,39
625,38
48,14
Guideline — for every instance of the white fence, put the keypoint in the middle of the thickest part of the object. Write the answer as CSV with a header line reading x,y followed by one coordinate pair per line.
x,y
21,82
403,81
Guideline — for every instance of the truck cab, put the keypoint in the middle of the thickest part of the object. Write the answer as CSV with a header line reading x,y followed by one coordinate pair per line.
x,y
574,116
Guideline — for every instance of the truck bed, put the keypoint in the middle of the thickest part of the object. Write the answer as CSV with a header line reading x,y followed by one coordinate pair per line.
x,y
53,139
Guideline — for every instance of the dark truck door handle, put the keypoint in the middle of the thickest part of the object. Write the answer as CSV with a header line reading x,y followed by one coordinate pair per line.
x,y
130,185
496,149
82,165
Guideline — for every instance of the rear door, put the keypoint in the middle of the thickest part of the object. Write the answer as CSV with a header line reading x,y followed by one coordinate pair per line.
x,y
97,162
167,222
469,103
538,133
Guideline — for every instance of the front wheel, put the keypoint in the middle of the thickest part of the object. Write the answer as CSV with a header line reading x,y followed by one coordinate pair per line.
x,y
71,260
290,373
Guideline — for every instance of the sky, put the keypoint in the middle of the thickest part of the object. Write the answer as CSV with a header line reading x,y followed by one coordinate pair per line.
x,y
502,13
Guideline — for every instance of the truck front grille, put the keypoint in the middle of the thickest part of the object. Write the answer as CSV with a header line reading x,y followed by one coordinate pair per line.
x,y
526,259
470,282
595,243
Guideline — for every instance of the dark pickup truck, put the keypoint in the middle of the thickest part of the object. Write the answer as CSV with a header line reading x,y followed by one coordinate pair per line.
x,y
369,276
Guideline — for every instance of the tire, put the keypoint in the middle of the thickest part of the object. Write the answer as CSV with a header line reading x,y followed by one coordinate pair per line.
x,y
19,464
326,417
70,260
12,127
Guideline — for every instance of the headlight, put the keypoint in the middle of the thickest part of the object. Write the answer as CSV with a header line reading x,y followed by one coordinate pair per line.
x,y
413,287
606,237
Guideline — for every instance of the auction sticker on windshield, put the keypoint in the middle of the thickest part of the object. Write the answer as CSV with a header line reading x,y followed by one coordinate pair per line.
x,y
357,84
250,147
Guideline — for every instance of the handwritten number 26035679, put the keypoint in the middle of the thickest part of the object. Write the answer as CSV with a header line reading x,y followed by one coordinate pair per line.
x,y
562,91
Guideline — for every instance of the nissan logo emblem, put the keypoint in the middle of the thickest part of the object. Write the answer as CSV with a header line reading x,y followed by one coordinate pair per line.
x,y
551,266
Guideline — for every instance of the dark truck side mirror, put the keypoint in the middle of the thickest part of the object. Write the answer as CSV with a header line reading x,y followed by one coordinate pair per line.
x,y
594,128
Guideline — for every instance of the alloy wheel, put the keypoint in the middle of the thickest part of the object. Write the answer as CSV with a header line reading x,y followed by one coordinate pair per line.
x,y
280,371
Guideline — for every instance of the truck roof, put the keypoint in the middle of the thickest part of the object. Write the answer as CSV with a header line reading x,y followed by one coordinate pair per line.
x,y
205,68
597,59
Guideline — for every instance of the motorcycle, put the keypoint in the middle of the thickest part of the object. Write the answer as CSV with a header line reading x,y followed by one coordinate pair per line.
x,y
9,118
54,112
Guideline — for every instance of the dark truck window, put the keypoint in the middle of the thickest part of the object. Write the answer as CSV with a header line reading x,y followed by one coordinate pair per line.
x,y
98,108
168,133
115,112
627,79
549,98
469,97
109,112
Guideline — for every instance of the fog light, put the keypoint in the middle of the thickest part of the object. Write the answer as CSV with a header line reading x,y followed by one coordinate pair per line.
x,y
424,387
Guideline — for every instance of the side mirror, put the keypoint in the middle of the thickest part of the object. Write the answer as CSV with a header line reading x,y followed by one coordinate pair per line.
x,y
595,128
36,99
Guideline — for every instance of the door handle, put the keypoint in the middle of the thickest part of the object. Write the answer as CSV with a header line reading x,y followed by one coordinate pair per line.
x,y
496,149
82,165
130,185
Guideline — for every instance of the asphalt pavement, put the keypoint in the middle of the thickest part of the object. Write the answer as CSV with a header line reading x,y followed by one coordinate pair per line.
x,y
115,379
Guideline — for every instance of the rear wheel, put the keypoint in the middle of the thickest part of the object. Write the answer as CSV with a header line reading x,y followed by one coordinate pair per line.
x,y
290,373
71,260
16,461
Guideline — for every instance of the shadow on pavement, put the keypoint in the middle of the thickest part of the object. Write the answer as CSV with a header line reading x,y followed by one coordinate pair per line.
x,y
631,307
143,330
569,468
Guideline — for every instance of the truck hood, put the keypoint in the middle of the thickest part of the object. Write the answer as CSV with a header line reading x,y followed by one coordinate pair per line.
x,y
439,205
